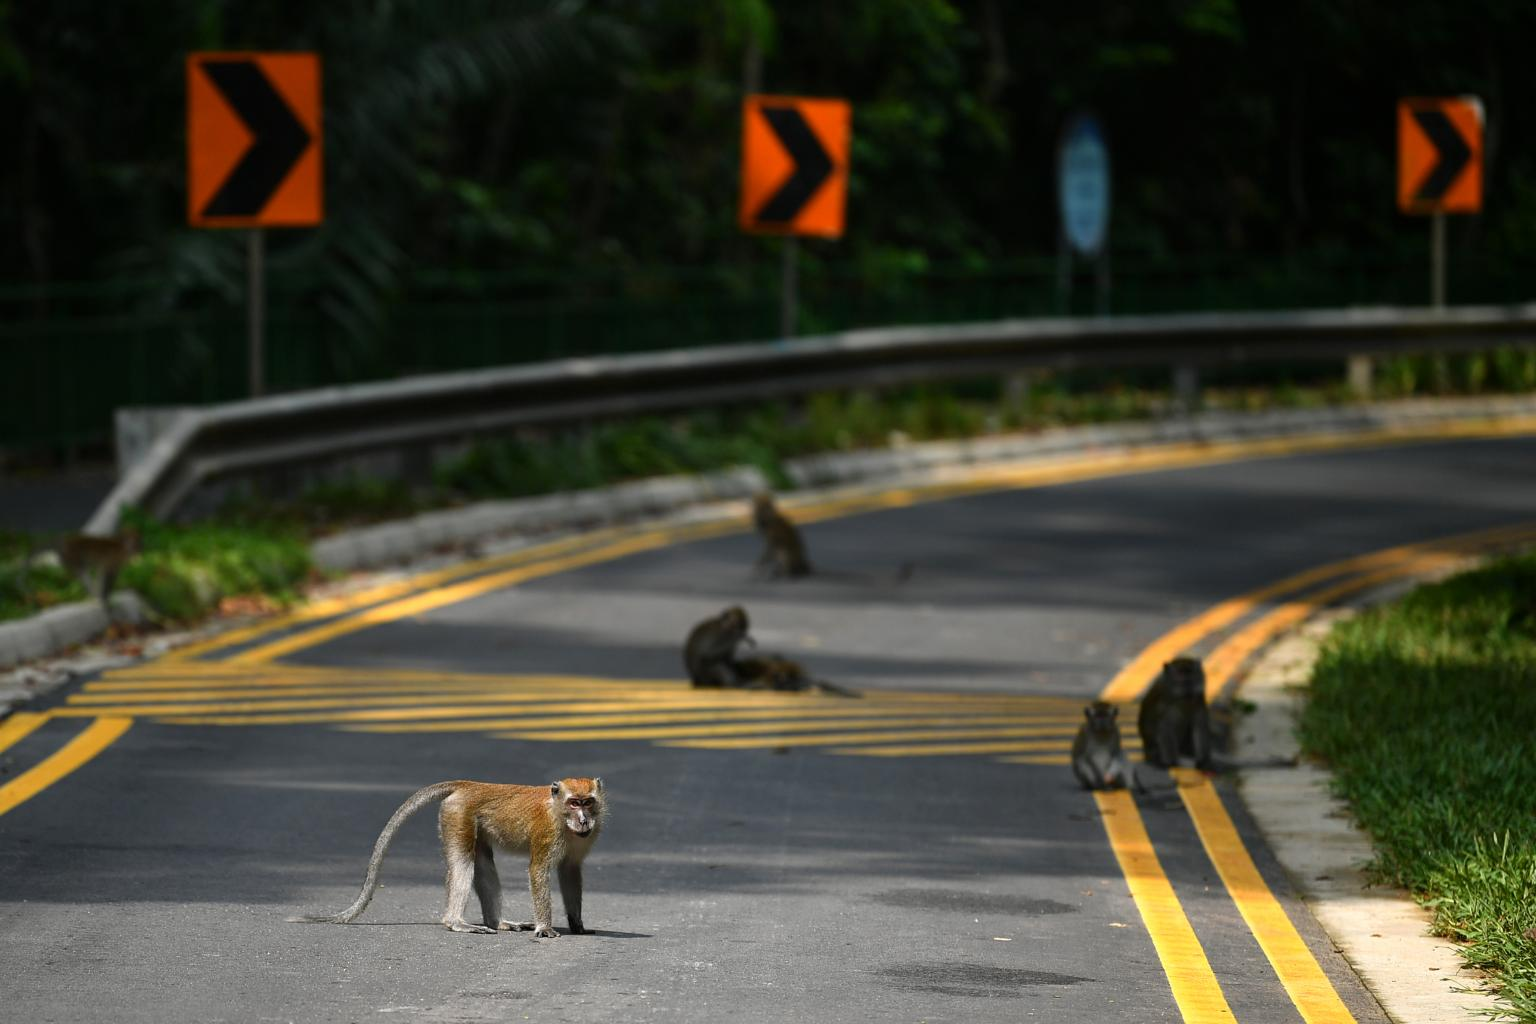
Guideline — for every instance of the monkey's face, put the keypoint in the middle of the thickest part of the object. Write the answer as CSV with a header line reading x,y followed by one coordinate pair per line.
x,y
1102,716
762,508
733,626
581,803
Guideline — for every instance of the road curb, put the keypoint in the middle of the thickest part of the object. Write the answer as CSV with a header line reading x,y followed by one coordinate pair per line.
x,y
1383,934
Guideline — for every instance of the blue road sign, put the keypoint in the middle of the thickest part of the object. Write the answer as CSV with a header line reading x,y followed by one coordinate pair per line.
x,y
1082,184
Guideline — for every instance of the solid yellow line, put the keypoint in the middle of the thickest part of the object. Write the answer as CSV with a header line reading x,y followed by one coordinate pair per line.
x,y
454,593
1304,980
1130,681
1189,973
1225,660
19,726
1054,760
343,604
95,738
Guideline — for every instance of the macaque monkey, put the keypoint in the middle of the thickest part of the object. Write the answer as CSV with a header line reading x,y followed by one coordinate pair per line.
x,y
1174,721
773,672
709,653
96,561
783,550
1098,758
555,825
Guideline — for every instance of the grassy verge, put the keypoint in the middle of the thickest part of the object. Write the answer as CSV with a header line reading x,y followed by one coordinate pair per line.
x,y
1426,713
183,572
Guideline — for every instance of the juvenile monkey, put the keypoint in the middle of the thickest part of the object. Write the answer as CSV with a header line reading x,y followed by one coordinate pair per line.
x,y
1098,758
1174,720
783,550
709,653
96,561
555,825
773,672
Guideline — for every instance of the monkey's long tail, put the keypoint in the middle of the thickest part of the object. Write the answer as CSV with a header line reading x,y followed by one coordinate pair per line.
x,y
416,802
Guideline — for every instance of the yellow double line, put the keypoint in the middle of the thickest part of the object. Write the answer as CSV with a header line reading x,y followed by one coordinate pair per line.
x,y
1194,985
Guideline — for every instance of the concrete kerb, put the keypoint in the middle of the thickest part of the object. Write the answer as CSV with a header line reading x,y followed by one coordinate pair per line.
x,y
1383,934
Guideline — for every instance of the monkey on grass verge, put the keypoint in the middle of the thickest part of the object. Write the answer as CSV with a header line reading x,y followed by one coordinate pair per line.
x,y
1098,757
556,826
96,561
1174,721
709,654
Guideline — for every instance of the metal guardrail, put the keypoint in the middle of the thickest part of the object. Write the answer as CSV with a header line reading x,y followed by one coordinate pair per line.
x,y
237,438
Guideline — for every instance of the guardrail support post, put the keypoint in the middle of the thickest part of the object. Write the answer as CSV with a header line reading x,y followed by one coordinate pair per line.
x,y
1186,386
1359,376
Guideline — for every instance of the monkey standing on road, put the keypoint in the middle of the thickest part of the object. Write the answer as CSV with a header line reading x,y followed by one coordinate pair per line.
x,y
1174,720
1098,757
783,550
555,825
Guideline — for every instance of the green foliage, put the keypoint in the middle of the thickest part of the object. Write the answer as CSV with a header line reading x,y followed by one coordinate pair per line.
x,y
1425,711
27,585
183,571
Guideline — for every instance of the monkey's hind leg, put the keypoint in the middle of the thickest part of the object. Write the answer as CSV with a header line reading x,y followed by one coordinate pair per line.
x,y
462,878
488,889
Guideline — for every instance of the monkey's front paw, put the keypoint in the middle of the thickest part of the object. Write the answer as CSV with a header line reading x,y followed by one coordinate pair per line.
x,y
516,926
547,932
576,928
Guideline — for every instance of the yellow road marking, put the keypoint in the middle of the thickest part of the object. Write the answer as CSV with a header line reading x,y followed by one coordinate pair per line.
x,y
832,717
93,739
341,605
457,592
1054,760
774,733
1224,661
18,727
1130,681
921,750
1189,973
1304,980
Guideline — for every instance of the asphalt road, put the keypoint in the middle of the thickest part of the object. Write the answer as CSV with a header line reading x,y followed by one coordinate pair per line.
x,y
918,855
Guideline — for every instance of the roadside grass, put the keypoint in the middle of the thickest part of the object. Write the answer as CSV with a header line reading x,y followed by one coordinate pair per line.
x,y
1426,712
27,588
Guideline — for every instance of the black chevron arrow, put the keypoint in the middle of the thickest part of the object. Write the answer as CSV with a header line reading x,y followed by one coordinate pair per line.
x,y
277,143
812,166
1453,149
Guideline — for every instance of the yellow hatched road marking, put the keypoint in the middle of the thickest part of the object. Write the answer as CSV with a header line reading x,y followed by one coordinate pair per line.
x,y
1300,973
773,733
1195,989
18,727
830,716
92,740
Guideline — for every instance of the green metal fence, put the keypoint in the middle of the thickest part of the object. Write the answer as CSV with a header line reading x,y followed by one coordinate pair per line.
x,y
73,354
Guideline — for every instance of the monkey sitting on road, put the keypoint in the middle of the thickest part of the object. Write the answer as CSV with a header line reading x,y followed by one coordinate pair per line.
x,y
783,550
1174,720
709,654
555,825
1098,758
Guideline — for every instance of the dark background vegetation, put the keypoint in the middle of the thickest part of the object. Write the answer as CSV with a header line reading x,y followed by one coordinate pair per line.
x,y
521,179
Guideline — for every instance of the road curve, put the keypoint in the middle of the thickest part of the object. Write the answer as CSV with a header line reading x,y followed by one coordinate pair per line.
x,y
919,854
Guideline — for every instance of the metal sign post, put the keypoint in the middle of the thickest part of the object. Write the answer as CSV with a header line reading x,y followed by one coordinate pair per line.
x,y
256,302
789,295
1439,169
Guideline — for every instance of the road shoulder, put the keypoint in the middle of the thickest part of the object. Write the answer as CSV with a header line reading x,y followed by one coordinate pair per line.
x,y
1380,931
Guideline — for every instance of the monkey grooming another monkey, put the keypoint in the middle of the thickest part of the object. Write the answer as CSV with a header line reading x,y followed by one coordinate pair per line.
x,y
1174,720
555,825
96,561
709,653
1098,757
783,550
